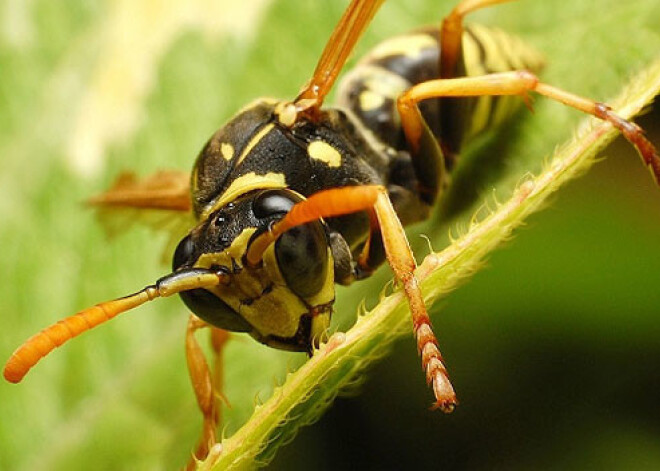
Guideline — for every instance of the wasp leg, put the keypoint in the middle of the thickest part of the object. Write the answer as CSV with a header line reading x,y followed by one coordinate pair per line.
x,y
454,112
207,386
373,253
400,258
514,83
347,269
374,199
219,338
451,34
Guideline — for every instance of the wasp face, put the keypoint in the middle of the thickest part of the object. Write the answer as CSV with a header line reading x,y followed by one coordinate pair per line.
x,y
285,301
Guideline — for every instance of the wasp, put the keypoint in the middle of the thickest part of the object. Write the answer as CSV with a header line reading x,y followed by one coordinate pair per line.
x,y
291,197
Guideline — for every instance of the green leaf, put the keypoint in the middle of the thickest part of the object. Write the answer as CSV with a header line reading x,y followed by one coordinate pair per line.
x,y
119,397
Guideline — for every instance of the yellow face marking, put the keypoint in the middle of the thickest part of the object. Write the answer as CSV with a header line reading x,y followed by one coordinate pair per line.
x,y
276,312
370,100
319,150
260,294
410,45
254,141
235,251
227,151
244,184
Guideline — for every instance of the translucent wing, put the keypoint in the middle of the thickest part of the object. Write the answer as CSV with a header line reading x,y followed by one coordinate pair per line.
x,y
160,201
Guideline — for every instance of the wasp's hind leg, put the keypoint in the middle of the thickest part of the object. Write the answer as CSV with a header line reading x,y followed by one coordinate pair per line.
x,y
207,385
514,83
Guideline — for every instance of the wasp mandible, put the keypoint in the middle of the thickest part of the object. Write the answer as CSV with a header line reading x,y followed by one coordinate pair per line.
x,y
292,197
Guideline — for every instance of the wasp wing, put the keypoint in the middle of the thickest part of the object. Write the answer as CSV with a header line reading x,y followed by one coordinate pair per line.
x,y
160,201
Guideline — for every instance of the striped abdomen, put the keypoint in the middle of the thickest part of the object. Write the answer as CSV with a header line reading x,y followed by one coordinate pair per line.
x,y
371,89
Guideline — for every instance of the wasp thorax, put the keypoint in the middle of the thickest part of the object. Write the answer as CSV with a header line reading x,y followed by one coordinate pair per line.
x,y
285,300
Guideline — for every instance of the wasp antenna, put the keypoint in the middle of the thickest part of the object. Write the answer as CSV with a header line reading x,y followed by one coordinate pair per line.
x,y
41,344
349,29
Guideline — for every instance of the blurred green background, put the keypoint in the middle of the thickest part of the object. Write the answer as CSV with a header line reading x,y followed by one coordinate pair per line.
x,y
553,348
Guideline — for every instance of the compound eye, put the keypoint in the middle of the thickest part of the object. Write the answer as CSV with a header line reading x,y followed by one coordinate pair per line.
x,y
183,253
274,203
302,251
303,259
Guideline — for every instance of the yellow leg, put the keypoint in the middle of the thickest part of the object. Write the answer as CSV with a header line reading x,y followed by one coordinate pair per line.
x,y
205,385
401,259
516,83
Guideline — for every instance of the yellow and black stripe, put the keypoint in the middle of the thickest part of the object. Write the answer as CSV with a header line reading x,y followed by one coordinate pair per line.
x,y
371,89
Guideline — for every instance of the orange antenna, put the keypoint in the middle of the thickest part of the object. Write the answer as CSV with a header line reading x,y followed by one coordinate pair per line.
x,y
41,344
340,45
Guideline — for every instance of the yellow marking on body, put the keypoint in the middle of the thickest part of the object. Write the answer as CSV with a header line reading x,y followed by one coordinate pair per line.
x,y
385,82
409,45
254,141
377,81
276,312
193,180
244,184
235,251
473,66
480,114
495,58
320,150
502,52
370,101
227,151
286,113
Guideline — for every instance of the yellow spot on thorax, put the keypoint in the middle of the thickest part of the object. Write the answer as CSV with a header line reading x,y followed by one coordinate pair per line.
x,y
370,100
319,150
227,151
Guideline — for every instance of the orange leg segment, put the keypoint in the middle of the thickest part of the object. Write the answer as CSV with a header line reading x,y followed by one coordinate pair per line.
x,y
207,386
374,198
516,83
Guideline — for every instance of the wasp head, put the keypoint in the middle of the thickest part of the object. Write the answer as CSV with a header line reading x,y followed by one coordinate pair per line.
x,y
284,301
